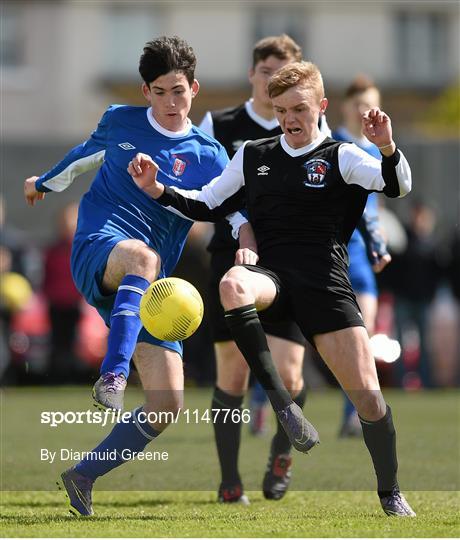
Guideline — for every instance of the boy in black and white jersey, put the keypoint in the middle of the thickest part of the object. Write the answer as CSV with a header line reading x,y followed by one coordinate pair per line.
x,y
304,194
254,119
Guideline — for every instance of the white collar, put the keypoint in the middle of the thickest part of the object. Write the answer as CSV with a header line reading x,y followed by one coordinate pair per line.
x,y
295,152
263,122
166,132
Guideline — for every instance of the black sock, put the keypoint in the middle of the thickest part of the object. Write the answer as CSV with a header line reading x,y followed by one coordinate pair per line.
x,y
280,441
380,439
227,434
245,327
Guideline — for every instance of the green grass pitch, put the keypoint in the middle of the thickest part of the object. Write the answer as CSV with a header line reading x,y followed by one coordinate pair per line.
x,y
332,489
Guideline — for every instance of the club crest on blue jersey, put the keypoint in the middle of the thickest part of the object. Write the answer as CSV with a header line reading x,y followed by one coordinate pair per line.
x,y
316,172
178,166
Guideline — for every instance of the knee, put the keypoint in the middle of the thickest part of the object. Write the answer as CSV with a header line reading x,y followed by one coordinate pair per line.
x,y
232,369
292,379
169,407
149,264
234,383
233,289
143,261
161,413
288,358
370,405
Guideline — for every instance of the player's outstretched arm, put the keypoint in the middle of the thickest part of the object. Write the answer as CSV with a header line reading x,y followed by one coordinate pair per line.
x,y
222,196
30,191
392,175
84,157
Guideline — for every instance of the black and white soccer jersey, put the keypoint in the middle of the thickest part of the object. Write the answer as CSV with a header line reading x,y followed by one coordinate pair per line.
x,y
232,127
305,197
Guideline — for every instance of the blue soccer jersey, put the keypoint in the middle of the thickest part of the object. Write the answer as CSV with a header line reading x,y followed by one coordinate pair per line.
x,y
114,208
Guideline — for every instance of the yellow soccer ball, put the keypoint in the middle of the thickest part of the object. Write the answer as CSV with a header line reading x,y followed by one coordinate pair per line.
x,y
171,309
15,291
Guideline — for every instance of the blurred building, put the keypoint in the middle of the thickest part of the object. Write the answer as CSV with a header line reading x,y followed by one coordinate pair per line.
x,y
64,61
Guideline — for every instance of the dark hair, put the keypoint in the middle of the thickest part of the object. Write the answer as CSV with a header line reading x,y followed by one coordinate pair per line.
x,y
360,84
283,47
165,54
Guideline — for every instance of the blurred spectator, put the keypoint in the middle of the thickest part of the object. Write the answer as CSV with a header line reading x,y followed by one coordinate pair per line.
x,y
5,266
445,320
63,298
13,264
454,263
444,339
13,254
454,279
415,278
22,257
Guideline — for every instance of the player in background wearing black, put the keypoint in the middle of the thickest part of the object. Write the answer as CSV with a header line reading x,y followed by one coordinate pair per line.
x,y
304,194
254,119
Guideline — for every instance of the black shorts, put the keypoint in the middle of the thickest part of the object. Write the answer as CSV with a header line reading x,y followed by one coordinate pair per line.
x,y
318,301
221,262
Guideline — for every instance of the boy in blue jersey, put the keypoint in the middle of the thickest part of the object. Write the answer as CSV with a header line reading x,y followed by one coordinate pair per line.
x,y
125,240
362,95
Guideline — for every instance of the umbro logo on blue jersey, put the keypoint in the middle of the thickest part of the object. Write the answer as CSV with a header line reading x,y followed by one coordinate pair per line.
x,y
127,146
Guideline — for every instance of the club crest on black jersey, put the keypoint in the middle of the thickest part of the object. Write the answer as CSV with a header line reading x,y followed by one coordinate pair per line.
x,y
316,172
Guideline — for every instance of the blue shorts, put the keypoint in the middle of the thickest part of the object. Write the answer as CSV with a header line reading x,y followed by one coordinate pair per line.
x,y
362,276
88,262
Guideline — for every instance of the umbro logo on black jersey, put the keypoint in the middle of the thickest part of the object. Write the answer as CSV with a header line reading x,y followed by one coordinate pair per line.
x,y
127,146
263,170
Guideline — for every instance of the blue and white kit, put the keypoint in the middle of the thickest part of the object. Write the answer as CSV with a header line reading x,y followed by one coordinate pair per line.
x,y
115,209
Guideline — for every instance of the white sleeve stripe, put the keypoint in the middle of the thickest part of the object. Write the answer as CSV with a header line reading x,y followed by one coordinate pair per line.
x,y
63,180
137,290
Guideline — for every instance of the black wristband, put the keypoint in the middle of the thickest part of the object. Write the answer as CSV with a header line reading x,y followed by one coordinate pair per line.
x,y
392,160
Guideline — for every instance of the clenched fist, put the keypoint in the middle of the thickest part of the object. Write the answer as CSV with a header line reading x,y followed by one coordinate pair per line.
x,y
143,171
30,192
